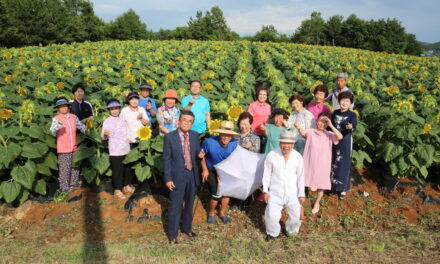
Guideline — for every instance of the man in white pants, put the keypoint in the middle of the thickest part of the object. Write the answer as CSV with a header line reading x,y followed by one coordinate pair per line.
x,y
283,185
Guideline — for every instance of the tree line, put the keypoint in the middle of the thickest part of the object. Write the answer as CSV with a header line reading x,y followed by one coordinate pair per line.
x,y
35,22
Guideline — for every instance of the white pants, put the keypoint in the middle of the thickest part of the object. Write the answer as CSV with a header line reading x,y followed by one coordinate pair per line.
x,y
272,215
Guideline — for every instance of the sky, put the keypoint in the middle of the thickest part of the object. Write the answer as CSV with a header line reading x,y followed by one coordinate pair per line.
x,y
246,17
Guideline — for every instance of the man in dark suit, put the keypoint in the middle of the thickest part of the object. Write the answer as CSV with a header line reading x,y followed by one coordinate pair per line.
x,y
181,174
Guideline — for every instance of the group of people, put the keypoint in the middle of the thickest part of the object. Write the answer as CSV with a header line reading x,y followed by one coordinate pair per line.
x,y
311,147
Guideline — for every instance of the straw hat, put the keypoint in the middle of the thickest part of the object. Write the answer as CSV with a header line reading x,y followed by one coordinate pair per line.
x,y
226,127
287,137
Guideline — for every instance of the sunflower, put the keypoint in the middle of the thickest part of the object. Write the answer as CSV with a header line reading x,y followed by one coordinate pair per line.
x,y
21,91
21,58
171,63
106,56
45,64
89,125
8,55
8,78
144,133
170,77
6,114
151,82
391,90
119,56
217,48
362,67
60,85
405,106
312,89
429,101
129,78
414,69
179,58
426,128
422,89
407,82
209,86
213,125
204,77
234,112
89,80
96,62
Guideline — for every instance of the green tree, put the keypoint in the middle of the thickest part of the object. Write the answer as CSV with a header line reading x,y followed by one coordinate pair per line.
x,y
413,47
333,29
311,30
211,26
269,33
354,32
83,23
127,26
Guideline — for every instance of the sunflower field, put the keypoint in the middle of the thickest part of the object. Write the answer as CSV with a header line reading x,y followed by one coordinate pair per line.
x,y
396,99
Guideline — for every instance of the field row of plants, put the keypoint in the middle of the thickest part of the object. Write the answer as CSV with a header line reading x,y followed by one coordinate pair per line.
x,y
396,98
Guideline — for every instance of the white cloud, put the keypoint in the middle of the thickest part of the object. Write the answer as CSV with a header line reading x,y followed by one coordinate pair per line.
x,y
284,18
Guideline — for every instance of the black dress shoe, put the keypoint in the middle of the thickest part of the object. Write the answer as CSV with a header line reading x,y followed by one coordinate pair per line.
x,y
190,234
173,240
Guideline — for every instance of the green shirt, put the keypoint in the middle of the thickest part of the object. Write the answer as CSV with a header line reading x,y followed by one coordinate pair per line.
x,y
273,135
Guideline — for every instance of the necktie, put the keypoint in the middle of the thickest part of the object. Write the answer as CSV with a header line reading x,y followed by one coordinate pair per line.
x,y
186,151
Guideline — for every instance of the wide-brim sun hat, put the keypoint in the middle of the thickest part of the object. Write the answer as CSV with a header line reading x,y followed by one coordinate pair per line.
x,y
62,101
146,86
132,95
171,93
287,137
226,127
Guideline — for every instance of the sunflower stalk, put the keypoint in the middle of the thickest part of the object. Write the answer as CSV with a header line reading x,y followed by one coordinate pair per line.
x,y
2,139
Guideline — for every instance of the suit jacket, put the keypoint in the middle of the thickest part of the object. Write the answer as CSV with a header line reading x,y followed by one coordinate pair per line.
x,y
173,159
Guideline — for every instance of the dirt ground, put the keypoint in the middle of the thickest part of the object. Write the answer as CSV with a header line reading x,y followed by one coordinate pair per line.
x,y
104,217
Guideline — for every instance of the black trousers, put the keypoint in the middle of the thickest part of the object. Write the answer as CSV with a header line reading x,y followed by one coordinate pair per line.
x,y
184,192
121,173
213,185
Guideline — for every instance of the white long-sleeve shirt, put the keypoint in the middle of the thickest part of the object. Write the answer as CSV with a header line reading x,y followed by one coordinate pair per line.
x,y
281,178
133,123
